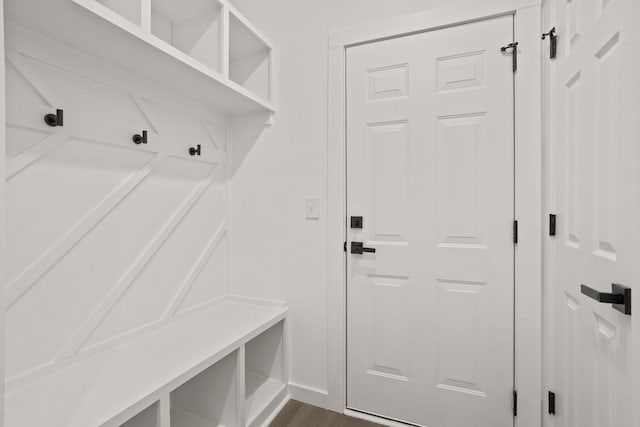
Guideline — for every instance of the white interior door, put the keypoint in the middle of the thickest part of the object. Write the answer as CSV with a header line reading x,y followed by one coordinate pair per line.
x,y
430,169
592,140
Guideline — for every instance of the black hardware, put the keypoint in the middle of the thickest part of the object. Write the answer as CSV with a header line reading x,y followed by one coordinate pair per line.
x,y
552,224
194,151
515,231
56,119
515,403
358,248
140,139
552,403
356,222
345,246
620,297
514,53
553,42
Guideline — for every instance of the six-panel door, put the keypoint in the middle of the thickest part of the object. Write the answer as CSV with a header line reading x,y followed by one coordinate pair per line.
x,y
430,166
591,141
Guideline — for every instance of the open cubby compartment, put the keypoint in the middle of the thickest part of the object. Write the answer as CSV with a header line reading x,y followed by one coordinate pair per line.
x,y
191,26
250,58
149,417
264,370
210,398
128,9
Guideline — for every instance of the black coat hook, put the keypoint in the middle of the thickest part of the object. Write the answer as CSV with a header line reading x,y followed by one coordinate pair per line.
x,y
55,119
553,42
140,139
195,151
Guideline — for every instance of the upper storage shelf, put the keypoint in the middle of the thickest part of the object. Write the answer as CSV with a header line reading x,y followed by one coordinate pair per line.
x,y
203,48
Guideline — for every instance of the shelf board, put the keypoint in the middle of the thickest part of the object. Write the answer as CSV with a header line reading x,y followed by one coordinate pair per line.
x,y
260,391
100,32
108,388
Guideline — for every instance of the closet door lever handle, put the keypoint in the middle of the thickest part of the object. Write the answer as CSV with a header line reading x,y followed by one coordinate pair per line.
x,y
620,297
358,248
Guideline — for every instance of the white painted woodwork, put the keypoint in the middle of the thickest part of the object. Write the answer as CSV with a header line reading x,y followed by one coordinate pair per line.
x,y
194,27
264,374
593,94
208,399
149,417
250,58
430,166
107,238
114,385
184,46
131,10
528,157
3,210
118,308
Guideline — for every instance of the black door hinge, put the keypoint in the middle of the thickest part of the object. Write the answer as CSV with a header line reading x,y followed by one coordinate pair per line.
x,y
553,42
552,403
345,246
513,48
514,405
552,224
515,231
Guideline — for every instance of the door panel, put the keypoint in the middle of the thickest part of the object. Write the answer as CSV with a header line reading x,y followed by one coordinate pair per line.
x,y
591,144
430,167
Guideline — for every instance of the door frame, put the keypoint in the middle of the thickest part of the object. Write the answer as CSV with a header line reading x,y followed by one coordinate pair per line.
x,y
528,188
3,210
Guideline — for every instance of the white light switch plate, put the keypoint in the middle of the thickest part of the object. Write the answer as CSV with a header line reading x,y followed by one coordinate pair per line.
x,y
313,207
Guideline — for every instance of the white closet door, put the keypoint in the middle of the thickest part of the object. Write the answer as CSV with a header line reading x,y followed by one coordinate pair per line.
x,y
592,139
431,172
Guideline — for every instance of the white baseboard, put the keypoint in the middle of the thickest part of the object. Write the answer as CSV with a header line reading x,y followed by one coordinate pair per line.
x,y
309,395
376,419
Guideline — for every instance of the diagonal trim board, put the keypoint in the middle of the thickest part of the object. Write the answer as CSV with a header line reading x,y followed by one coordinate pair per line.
x,y
183,289
32,77
195,271
26,158
145,112
40,266
128,278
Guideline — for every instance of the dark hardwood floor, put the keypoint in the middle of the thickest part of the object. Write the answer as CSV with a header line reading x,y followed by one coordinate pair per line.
x,y
298,414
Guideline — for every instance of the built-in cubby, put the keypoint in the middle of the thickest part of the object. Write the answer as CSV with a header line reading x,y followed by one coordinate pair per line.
x,y
150,417
204,49
128,9
191,26
210,398
249,58
264,370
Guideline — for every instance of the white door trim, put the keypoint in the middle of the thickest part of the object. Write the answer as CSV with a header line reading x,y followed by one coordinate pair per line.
x,y
3,209
528,140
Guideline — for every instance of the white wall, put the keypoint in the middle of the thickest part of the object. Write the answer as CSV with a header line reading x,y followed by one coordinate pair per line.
x,y
107,238
276,253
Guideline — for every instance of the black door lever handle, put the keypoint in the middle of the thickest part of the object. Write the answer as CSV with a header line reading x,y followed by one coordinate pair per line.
x,y
358,248
620,296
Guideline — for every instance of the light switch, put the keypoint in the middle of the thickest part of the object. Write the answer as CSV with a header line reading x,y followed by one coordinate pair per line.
x,y
313,207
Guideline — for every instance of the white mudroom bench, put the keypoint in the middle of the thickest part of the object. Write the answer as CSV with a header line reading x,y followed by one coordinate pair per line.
x,y
222,366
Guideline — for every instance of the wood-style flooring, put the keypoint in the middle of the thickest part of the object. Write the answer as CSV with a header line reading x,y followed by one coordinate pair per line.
x,y
298,414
